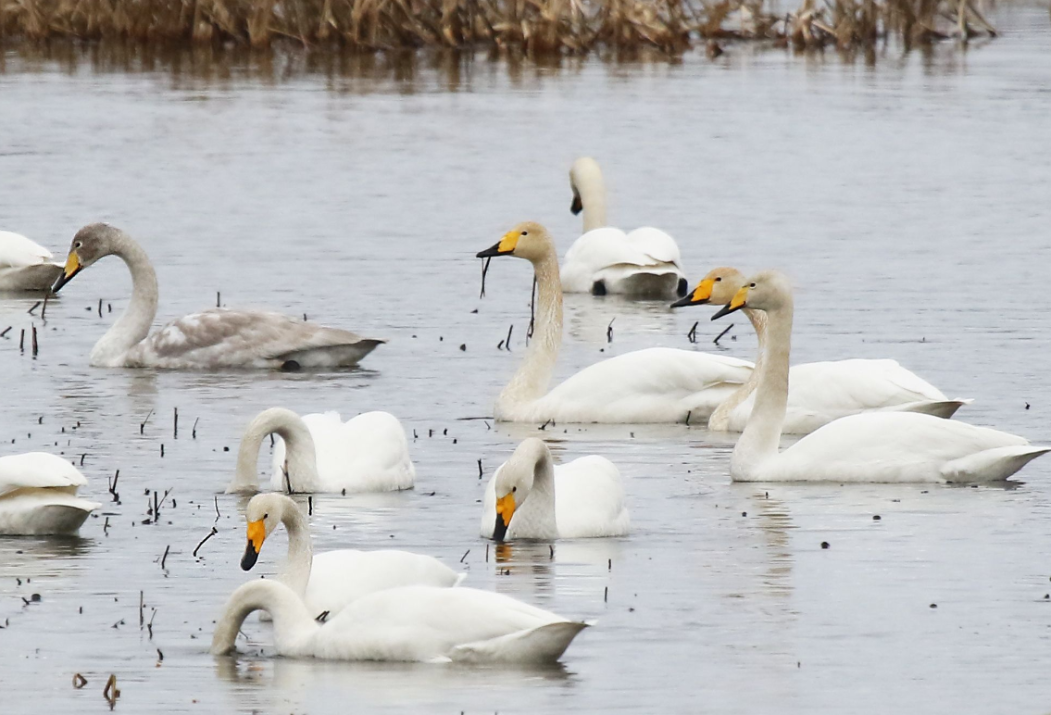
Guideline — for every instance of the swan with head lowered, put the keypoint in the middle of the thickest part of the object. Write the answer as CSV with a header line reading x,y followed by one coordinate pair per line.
x,y
819,392
211,339
867,447
529,497
407,624
331,580
642,264
320,453
650,385
25,265
38,496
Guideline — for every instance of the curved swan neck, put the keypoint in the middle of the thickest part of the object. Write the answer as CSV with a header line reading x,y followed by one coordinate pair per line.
x,y
295,573
762,434
293,625
533,377
592,189
300,454
720,419
134,324
539,508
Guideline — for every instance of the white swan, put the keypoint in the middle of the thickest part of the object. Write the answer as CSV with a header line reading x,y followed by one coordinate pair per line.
x,y
642,264
413,623
25,264
331,580
818,392
216,338
38,495
651,385
868,447
529,497
368,453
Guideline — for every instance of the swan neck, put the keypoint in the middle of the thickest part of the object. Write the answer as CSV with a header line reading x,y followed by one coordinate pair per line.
x,y
296,571
540,506
592,190
720,419
533,377
293,625
762,434
300,454
134,323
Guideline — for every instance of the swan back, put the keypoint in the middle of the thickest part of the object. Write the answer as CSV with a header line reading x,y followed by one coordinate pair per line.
x,y
17,251
38,470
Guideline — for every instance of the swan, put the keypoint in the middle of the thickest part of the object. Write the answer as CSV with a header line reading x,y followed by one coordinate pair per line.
x,y
331,580
38,495
642,264
866,447
25,264
216,338
368,453
650,385
408,624
528,497
819,392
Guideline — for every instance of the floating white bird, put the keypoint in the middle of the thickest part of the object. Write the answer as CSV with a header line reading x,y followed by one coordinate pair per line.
x,y
211,339
320,453
868,447
651,385
38,495
642,264
529,497
412,623
818,392
25,265
331,580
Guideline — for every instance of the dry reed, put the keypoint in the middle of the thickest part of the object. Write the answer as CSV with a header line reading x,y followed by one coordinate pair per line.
x,y
533,26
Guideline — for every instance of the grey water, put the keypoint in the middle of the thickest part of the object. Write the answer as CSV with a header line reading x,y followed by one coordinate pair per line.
x,y
906,197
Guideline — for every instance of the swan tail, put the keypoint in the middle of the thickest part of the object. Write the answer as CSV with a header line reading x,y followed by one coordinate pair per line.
x,y
544,644
991,465
459,579
346,355
936,408
659,281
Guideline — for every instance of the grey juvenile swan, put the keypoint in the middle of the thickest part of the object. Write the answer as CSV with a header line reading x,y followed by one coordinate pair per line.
x,y
215,338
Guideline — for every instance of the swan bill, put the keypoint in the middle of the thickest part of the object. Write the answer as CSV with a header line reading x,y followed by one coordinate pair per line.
x,y
256,536
505,509
701,295
72,268
739,301
577,206
504,247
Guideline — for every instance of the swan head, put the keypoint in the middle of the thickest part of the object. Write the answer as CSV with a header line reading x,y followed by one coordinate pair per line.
x,y
89,244
528,240
718,287
515,481
766,291
584,172
263,514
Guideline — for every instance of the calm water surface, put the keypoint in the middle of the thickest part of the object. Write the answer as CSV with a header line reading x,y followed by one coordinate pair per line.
x,y
908,201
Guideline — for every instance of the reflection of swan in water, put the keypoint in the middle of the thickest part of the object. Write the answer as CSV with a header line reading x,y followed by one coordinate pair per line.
x,y
588,319
314,685
580,566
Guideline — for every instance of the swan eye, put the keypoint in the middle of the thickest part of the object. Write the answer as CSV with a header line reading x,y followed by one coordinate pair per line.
x,y
525,233
752,285
266,516
78,244
514,489
718,279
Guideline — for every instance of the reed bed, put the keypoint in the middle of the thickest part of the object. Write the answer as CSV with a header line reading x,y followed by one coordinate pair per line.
x,y
533,26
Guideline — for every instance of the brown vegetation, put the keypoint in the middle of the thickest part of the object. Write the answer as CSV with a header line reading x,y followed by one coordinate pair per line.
x,y
536,26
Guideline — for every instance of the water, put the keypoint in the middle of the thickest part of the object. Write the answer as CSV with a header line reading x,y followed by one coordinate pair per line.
x,y
907,200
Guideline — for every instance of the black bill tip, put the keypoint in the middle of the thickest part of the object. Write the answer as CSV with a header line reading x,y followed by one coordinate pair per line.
x,y
577,206
249,559
725,310
490,252
500,530
62,280
687,300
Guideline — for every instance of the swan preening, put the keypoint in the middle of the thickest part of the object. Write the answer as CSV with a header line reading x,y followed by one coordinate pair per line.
x,y
320,453
38,495
25,265
411,623
642,264
216,338
331,580
819,392
651,385
867,447
529,497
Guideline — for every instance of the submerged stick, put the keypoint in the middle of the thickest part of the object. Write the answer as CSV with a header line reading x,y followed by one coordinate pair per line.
x,y
692,335
720,335
485,269
211,533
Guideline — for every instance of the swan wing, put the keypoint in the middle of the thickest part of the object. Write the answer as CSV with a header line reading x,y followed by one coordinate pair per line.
x,y
38,470
888,447
645,262
47,511
589,499
219,338
17,251
659,246
644,386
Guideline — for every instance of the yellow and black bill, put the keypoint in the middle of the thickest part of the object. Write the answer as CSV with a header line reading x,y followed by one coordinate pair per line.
x,y
73,267
256,536
701,295
740,300
505,509
504,247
